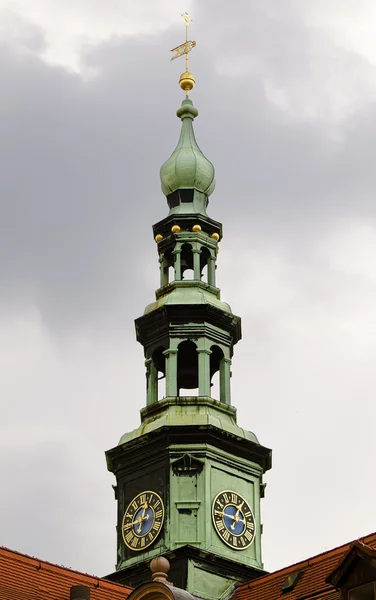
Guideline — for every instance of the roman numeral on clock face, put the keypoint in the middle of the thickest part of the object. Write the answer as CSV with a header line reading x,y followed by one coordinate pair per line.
x,y
220,525
129,536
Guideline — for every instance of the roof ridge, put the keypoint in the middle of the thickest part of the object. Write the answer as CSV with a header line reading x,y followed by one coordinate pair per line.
x,y
52,567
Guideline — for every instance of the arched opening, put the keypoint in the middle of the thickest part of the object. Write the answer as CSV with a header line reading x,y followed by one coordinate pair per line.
x,y
187,262
166,261
215,363
159,361
187,369
169,258
204,260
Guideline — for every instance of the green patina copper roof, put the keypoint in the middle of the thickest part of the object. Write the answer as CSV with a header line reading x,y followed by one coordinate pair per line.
x,y
193,411
187,167
188,294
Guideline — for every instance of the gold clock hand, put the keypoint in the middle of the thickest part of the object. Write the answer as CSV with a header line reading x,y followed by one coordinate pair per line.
x,y
222,513
237,515
142,518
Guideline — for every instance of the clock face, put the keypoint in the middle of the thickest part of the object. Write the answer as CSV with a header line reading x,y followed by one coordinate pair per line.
x,y
142,521
233,520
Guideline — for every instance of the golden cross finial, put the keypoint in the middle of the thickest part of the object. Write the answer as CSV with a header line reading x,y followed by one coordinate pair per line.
x,y
187,20
186,80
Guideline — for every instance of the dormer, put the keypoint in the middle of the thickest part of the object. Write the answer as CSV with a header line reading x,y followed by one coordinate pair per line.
x,y
355,575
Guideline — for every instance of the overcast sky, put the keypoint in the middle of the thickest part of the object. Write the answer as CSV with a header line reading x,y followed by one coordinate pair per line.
x,y
286,91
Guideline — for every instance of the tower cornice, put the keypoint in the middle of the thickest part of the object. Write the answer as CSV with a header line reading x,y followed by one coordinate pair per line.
x,y
186,222
152,441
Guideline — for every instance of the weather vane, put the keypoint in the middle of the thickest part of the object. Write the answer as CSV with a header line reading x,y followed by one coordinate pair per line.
x,y
186,81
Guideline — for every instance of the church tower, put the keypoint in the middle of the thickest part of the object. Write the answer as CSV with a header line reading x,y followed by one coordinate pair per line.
x,y
189,479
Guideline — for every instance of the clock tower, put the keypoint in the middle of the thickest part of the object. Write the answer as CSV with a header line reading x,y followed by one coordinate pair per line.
x,y
189,479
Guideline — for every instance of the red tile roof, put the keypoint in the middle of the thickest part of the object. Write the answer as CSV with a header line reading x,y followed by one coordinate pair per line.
x,y
311,582
25,578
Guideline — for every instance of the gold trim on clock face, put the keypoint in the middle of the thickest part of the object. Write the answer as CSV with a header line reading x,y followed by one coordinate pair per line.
x,y
233,520
142,521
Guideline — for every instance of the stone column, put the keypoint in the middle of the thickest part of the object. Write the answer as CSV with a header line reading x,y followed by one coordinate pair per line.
x,y
211,270
151,382
171,372
224,381
203,371
177,264
163,271
196,264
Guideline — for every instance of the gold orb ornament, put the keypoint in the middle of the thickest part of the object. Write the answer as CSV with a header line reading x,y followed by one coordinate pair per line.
x,y
187,81
158,238
175,229
215,236
196,228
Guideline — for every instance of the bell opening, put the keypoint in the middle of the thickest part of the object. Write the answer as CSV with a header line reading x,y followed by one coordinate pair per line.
x,y
187,262
159,361
204,260
187,369
215,364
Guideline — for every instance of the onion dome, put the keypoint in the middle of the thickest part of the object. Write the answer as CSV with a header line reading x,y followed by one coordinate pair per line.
x,y
187,168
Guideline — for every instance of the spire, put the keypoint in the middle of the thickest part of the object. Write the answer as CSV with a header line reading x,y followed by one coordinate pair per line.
x,y
187,168
187,177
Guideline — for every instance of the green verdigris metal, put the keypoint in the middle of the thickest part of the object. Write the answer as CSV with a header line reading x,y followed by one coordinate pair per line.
x,y
194,411
189,447
187,167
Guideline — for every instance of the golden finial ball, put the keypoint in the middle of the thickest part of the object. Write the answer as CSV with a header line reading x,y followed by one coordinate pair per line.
x,y
175,228
187,81
215,236
196,228
158,238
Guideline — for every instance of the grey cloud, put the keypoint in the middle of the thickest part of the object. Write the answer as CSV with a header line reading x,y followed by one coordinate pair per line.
x,y
79,183
20,32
